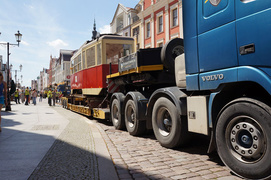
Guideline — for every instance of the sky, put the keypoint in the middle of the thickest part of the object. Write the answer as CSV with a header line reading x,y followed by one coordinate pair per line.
x,y
48,26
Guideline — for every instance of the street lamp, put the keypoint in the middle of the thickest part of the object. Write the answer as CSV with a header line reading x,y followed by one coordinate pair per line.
x,y
11,66
18,37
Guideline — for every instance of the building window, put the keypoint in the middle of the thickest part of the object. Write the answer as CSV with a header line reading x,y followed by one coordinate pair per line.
x,y
136,31
148,29
160,24
174,17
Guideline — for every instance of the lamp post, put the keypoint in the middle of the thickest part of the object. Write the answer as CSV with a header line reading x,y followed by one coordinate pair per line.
x,y
21,67
18,37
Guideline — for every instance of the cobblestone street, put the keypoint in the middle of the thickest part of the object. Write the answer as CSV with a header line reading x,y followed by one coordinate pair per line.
x,y
144,158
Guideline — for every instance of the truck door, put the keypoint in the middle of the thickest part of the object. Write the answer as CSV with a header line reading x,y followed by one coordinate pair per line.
x,y
253,26
216,34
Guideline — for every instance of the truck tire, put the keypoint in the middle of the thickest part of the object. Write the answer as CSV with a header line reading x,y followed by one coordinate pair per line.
x,y
116,116
133,125
170,51
243,138
169,128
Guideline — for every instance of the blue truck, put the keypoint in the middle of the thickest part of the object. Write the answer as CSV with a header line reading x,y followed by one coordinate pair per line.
x,y
226,44
64,89
223,84
216,81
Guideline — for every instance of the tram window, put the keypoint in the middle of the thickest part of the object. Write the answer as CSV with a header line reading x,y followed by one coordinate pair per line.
x,y
116,51
72,64
84,59
79,67
76,61
127,49
99,57
91,57
75,69
79,62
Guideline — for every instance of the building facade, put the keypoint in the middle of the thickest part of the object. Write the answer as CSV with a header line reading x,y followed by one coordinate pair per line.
x,y
122,20
34,84
62,70
161,22
51,71
151,22
44,79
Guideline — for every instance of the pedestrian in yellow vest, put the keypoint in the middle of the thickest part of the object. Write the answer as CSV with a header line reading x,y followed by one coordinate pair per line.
x,y
16,95
26,93
49,95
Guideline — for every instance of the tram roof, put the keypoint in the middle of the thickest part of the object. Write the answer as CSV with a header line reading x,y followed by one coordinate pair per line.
x,y
110,36
103,36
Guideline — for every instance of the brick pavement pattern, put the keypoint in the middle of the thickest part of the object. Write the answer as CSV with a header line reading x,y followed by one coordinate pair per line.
x,y
144,158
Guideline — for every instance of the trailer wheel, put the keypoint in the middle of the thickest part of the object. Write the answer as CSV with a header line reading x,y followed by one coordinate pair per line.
x,y
243,138
170,51
169,128
116,116
133,125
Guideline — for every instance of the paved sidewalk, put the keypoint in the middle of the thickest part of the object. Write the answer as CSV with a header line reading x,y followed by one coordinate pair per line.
x,y
42,142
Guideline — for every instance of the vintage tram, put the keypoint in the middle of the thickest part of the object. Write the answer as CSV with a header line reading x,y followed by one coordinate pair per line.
x,y
90,65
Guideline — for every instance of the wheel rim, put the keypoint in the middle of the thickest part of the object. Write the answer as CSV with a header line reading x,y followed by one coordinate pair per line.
x,y
130,116
164,121
246,139
115,112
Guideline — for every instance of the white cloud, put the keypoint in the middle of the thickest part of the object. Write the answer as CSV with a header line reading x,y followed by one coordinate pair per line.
x,y
104,29
57,43
25,43
28,6
3,46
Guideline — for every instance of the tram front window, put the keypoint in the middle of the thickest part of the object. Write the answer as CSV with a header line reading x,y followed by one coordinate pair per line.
x,y
116,51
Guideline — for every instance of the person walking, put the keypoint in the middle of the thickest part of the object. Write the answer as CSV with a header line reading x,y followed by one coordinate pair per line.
x,y
54,97
26,96
30,96
34,96
22,96
19,98
40,100
16,96
3,95
49,95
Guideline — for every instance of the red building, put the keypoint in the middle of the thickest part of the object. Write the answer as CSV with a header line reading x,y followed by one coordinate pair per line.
x,y
161,20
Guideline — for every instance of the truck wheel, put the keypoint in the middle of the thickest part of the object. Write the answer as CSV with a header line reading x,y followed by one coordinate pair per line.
x,y
243,138
167,124
170,51
116,116
133,125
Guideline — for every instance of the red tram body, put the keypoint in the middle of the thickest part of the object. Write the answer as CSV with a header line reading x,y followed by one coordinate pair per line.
x,y
90,65
97,74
